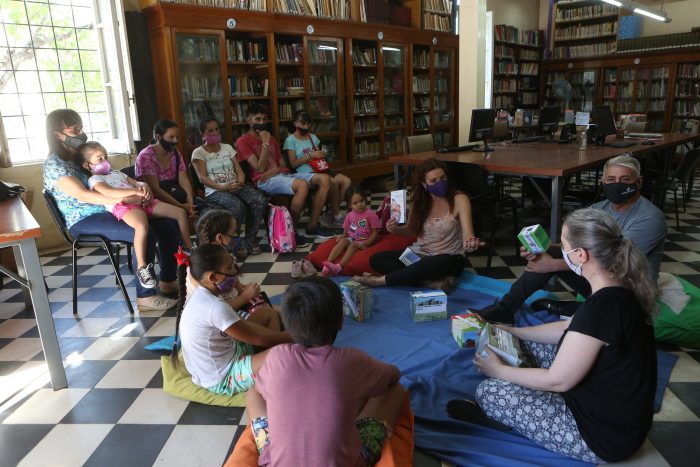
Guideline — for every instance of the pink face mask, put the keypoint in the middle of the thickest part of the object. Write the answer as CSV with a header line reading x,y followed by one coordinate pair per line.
x,y
101,168
212,139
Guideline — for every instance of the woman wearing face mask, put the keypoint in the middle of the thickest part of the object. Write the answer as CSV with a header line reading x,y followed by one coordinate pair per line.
x,y
592,397
85,214
160,165
224,184
441,218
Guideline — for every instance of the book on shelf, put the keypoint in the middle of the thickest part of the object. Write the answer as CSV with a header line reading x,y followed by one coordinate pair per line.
x,y
584,12
256,5
364,56
505,33
238,50
438,6
248,86
436,22
289,53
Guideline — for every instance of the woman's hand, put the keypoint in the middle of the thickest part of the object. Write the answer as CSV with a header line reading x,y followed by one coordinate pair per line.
x,y
132,199
317,154
489,364
234,186
145,190
250,291
473,244
392,225
189,209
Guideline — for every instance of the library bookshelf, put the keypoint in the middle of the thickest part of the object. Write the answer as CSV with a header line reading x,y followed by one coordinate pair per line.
x,y
358,80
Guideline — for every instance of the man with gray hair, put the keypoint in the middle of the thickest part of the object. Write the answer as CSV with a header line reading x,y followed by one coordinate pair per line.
x,y
640,220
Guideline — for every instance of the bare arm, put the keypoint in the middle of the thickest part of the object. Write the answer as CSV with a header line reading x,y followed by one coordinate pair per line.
x,y
184,181
370,241
255,334
160,193
200,167
549,333
464,212
576,356
115,193
72,186
240,173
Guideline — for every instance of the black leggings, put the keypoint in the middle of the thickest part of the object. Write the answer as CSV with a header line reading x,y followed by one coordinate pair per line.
x,y
428,268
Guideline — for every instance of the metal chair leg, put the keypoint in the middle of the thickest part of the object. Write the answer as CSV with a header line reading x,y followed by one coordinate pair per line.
x,y
109,251
128,258
120,281
75,279
675,207
492,249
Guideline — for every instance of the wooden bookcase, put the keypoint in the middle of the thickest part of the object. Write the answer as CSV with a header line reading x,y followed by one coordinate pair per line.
x,y
517,56
664,85
207,64
584,28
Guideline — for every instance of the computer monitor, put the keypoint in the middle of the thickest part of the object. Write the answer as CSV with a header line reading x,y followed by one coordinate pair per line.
x,y
482,127
549,119
605,122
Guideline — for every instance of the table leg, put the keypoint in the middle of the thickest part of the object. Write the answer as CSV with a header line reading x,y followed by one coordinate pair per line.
x,y
47,332
555,217
23,274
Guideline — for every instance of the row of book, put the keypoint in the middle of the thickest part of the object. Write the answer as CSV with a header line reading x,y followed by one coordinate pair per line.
x,y
246,86
366,105
393,58
201,49
288,109
505,33
686,108
436,22
685,124
605,48
393,145
366,56
421,84
322,56
239,110
283,85
393,84
528,98
442,60
504,85
201,87
194,111
651,90
393,106
578,31
257,5
323,107
593,11
367,150
338,9
529,69
421,121
438,6
366,83
324,126
687,88
324,84
442,85
619,75
528,82
529,54
653,73
689,70
421,103
506,68
504,102
289,53
504,52
366,125
440,103
420,58
246,50
395,120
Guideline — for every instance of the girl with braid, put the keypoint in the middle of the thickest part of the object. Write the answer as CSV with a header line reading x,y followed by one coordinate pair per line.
x,y
219,227
217,345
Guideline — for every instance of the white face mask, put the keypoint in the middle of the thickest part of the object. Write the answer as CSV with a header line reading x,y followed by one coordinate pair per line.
x,y
572,266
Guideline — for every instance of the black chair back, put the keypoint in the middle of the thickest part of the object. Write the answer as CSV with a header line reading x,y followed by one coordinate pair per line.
x,y
57,216
129,171
197,184
687,165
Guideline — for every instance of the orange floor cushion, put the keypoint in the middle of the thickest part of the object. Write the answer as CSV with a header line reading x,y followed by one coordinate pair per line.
x,y
360,260
398,452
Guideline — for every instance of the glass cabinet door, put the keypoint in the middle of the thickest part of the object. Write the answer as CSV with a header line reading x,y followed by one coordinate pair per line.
x,y
394,93
364,109
442,114
289,51
323,97
420,90
650,92
200,82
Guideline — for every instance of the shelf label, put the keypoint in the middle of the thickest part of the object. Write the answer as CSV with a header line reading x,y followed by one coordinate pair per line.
x,y
231,23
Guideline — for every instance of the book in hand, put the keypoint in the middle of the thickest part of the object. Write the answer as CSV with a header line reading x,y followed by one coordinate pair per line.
x,y
398,206
504,344
409,256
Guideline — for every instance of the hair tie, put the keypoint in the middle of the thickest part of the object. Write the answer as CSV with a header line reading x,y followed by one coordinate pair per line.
x,y
620,237
182,257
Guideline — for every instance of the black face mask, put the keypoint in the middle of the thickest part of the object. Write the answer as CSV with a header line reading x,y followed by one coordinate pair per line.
x,y
303,131
260,127
618,192
74,142
167,145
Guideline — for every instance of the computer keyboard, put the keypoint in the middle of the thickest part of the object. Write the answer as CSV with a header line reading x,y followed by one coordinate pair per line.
x,y
644,135
466,147
529,139
621,144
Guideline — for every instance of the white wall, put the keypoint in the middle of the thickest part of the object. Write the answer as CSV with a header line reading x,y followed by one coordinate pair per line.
x,y
684,14
524,14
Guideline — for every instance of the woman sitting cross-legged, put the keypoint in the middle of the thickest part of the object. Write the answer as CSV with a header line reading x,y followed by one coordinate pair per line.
x,y
593,397
441,218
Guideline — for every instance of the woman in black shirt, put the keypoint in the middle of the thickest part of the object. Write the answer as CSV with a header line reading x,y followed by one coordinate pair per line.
x,y
592,397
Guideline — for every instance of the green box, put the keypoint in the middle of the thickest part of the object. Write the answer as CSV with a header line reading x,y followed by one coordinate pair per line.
x,y
534,238
357,300
428,306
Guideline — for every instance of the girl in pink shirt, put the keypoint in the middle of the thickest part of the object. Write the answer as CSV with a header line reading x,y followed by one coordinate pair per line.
x,y
361,229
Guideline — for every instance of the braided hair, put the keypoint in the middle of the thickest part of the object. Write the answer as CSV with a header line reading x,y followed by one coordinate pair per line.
x,y
212,223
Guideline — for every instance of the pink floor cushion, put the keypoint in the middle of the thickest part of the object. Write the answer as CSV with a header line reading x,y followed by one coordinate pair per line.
x,y
360,260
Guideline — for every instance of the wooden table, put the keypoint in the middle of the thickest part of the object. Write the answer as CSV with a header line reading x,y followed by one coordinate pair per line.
x,y
19,229
546,160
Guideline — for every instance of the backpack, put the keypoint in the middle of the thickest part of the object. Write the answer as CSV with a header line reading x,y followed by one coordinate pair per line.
x,y
281,230
384,213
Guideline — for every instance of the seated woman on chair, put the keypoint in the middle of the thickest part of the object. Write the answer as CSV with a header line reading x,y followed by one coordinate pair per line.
x,y
593,396
441,219
85,214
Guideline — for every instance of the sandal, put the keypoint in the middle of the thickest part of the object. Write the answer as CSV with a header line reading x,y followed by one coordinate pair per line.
x,y
469,411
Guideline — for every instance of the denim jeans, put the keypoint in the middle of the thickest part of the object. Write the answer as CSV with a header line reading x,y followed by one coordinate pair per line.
x,y
163,239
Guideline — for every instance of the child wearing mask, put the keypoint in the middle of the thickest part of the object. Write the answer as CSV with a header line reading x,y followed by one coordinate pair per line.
x,y
216,342
115,185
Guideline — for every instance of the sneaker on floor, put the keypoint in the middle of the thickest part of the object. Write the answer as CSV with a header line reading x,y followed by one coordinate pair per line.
x,y
255,250
320,232
155,303
242,253
297,269
146,276
301,241
308,267
497,313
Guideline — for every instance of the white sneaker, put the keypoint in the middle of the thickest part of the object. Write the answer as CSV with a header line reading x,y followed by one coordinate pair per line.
x,y
155,303
146,276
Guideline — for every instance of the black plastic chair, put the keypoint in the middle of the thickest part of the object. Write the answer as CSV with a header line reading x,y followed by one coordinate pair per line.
x,y
681,179
83,241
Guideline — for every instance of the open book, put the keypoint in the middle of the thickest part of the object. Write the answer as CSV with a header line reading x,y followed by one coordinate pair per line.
x,y
504,344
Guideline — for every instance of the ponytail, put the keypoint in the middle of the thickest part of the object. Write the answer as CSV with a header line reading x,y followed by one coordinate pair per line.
x,y
631,268
182,263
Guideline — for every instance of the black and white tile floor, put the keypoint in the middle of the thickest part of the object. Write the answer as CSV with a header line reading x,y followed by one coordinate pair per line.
x,y
115,413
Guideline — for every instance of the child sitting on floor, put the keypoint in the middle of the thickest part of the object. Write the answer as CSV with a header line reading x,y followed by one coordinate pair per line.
x,y
216,342
219,227
361,229
347,402
92,157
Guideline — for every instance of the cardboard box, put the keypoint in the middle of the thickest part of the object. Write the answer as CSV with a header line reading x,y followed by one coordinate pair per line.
x,y
466,328
503,343
534,238
398,206
357,300
428,306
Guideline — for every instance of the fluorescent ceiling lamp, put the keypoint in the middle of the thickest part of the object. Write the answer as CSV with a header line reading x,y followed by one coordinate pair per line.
x,y
391,49
640,9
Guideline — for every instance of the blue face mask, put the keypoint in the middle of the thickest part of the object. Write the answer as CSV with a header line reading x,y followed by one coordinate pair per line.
x,y
576,268
438,189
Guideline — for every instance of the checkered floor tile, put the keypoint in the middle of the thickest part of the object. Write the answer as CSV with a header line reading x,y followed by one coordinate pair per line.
x,y
115,412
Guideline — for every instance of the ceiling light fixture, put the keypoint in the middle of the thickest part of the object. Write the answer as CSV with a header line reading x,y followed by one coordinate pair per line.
x,y
640,9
